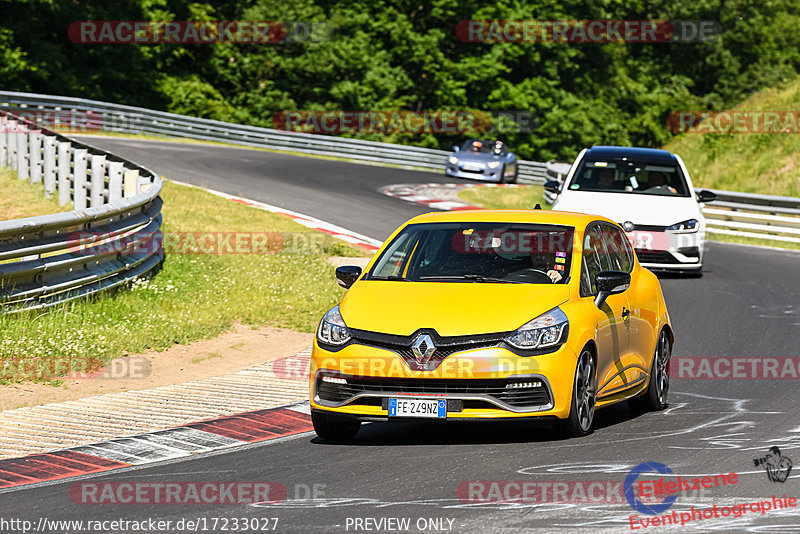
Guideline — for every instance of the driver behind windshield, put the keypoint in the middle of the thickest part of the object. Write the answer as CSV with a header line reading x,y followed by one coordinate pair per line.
x,y
657,182
546,264
605,178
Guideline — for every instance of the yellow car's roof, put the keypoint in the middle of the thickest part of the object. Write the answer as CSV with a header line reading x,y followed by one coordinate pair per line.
x,y
565,218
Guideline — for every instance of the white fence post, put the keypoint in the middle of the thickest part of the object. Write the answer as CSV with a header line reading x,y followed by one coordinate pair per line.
x,y
22,153
35,143
79,184
131,179
64,169
12,144
115,169
49,166
3,140
97,197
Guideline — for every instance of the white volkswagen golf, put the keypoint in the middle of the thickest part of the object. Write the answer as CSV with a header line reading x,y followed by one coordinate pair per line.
x,y
649,193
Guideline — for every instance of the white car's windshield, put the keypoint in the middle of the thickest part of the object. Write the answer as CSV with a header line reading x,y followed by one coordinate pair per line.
x,y
477,252
629,176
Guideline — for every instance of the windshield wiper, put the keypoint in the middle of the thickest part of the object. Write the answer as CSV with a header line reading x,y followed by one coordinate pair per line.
x,y
390,277
471,278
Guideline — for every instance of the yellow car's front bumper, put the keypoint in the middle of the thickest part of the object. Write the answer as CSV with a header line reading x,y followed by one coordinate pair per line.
x,y
478,384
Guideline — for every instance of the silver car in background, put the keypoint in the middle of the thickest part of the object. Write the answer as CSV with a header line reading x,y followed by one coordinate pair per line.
x,y
488,161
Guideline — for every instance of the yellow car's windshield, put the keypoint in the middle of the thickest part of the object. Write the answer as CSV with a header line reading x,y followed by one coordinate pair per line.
x,y
477,252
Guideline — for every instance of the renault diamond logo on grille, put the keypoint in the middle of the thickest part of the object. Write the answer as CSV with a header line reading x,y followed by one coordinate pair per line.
x,y
423,348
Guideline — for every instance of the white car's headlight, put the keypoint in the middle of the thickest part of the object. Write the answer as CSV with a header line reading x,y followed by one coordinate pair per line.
x,y
692,225
493,164
453,160
545,331
332,330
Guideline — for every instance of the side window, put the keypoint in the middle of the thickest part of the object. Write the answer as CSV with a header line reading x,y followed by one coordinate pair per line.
x,y
595,259
626,260
586,279
615,242
395,257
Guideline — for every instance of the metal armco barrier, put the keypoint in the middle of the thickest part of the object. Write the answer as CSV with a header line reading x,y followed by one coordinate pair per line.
x,y
737,214
79,113
107,240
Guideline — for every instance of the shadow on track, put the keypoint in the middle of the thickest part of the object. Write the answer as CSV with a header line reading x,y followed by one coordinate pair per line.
x,y
404,433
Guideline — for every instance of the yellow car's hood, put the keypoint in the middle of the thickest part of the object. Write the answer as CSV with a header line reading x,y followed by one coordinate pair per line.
x,y
452,309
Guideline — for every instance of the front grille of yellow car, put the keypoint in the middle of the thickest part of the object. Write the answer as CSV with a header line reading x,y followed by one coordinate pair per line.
x,y
445,346
505,391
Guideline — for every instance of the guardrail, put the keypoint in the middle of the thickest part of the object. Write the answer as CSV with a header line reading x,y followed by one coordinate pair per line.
x,y
106,241
732,213
128,119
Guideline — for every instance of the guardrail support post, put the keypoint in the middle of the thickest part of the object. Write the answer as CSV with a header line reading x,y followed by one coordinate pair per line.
x,y
81,157
3,140
115,169
131,181
35,157
12,144
64,168
97,197
49,166
22,153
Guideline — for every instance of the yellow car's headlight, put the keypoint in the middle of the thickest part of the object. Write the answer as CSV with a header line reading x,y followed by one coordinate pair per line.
x,y
547,330
332,330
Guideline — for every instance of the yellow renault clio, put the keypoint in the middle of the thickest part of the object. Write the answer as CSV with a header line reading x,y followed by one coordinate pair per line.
x,y
492,314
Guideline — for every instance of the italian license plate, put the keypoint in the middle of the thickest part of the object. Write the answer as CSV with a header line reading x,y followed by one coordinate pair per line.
x,y
431,408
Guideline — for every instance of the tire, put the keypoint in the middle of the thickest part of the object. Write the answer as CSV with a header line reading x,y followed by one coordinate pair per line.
x,y
655,396
333,430
582,404
502,178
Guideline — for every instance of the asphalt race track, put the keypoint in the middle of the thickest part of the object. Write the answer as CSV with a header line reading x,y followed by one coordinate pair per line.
x,y
746,305
344,194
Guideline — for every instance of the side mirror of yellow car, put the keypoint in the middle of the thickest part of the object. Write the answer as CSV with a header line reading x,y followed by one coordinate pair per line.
x,y
346,275
610,283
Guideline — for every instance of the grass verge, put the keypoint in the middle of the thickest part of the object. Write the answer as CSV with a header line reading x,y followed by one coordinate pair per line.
x,y
767,163
512,198
193,296
22,199
712,236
